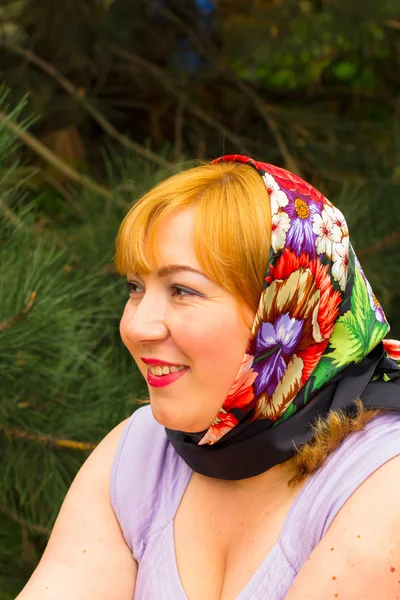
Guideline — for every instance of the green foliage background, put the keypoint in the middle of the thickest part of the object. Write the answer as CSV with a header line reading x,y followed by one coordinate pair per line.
x,y
124,93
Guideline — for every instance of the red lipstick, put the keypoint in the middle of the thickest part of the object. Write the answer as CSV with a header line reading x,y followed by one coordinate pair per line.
x,y
153,362
163,380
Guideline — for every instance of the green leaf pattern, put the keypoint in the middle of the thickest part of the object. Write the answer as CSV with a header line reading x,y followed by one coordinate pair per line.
x,y
356,333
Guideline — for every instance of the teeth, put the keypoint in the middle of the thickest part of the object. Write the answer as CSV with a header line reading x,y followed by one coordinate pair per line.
x,y
164,370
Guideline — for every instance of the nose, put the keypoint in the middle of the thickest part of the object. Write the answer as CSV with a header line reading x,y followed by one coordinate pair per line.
x,y
145,321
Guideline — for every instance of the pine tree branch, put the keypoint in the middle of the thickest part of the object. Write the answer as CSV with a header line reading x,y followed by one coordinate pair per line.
x,y
12,320
11,216
46,440
172,85
263,108
371,16
24,522
79,95
69,199
392,23
388,240
47,155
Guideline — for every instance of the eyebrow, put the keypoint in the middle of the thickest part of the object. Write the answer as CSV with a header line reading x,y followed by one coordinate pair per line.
x,y
170,269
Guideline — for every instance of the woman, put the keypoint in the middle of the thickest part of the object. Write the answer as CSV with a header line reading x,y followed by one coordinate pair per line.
x,y
266,465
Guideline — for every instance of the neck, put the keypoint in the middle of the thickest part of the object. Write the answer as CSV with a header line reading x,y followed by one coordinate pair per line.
x,y
275,482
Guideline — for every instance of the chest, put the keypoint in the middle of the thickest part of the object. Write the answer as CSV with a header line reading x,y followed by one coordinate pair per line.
x,y
222,538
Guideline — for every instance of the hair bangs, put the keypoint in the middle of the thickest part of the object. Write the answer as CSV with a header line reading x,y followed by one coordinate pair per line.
x,y
136,244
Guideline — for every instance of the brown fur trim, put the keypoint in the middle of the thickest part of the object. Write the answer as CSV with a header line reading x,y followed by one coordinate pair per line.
x,y
329,433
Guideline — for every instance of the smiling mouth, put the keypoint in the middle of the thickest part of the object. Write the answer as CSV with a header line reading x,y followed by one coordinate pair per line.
x,y
165,370
164,379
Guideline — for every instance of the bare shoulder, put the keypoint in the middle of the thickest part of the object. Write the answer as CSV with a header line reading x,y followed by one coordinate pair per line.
x,y
359,557
86,556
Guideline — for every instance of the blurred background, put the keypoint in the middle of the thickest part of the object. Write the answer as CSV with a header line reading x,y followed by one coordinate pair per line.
x,y
99,100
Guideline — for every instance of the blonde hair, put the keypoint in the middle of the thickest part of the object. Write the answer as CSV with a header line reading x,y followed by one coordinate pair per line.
x,y
232,226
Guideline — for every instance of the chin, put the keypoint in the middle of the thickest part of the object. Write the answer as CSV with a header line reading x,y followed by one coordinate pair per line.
x,y
171,419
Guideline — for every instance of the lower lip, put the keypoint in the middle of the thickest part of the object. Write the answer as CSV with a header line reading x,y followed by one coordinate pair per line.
x,y
163,380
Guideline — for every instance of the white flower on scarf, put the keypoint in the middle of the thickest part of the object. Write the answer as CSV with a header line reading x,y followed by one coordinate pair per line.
x,y
340,257
277,196
337,218
280,225
327,232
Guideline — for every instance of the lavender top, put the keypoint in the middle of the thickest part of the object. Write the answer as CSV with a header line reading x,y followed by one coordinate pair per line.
x,y
149,478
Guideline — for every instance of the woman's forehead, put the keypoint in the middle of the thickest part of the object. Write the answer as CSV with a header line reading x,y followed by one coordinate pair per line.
x,y
174,239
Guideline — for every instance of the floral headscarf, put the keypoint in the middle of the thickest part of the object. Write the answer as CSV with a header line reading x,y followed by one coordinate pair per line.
x,y
317,316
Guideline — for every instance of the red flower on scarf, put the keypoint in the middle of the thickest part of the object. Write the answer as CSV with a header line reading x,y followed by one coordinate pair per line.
x,y
241,396
292,183
328,308
392,347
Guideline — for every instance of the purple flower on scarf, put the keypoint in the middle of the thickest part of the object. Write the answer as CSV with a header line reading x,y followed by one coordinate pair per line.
x,y
301,210
376,307
274,345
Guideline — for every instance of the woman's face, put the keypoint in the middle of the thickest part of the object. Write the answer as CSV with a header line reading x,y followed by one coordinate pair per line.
x,y
176,315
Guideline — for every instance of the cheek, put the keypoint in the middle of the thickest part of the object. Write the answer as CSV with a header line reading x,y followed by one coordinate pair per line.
x,y
217,347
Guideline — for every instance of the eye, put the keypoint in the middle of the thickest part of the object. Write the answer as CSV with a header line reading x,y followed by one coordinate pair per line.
x,y
182,291
177,290
133,287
